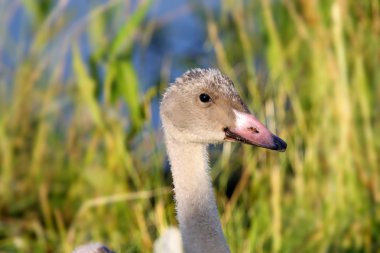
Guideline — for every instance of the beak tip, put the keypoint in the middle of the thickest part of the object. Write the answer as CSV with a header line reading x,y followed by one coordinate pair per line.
x,y
280,145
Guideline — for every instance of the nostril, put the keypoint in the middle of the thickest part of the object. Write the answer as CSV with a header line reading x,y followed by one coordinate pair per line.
x,y
253,130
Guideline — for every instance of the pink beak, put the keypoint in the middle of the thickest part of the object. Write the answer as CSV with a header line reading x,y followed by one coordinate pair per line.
x,y
249,130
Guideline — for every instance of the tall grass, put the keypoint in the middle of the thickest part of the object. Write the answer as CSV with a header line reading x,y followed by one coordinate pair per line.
x,y
80,161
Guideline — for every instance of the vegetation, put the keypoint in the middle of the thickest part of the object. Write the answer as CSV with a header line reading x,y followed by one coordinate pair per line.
x,y
80,160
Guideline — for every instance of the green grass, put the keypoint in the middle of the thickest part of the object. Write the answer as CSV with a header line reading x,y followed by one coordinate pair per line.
x,y
75,168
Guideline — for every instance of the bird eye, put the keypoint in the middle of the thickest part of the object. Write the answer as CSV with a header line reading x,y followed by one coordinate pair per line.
x,y
204,98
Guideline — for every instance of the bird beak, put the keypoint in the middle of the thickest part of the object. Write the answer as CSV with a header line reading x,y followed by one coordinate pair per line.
x,y
249,130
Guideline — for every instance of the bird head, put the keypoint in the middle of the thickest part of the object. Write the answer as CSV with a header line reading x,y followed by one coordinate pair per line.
x,y
203,106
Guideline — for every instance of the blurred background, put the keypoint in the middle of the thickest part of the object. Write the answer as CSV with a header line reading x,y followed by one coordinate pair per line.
x,y
81,151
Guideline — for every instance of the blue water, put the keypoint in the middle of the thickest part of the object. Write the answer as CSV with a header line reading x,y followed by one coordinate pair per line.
x,y
179,38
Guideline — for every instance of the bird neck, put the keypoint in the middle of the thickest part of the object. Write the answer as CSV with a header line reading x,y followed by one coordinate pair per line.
x,y
197,212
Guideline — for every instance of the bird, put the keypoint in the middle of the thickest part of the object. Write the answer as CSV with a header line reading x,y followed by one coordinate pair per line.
x,y
200,108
